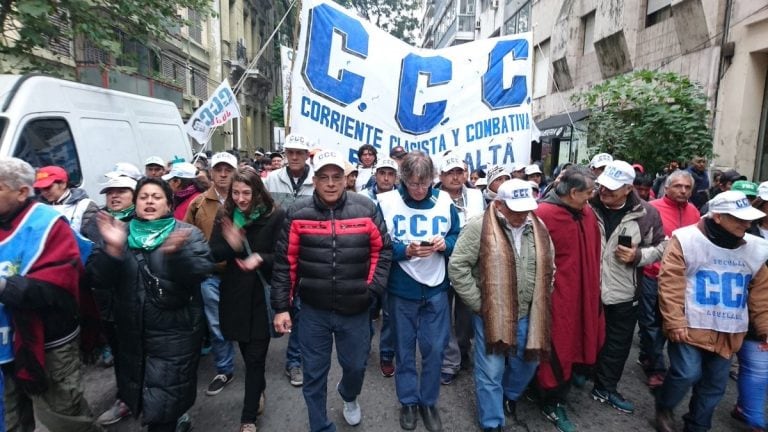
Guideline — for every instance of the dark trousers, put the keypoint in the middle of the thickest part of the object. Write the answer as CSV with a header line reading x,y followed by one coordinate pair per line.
x,y
620,320
255,358
162,427
110,332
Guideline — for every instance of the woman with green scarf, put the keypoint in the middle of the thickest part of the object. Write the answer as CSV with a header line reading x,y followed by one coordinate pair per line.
x,y
244,235
154,265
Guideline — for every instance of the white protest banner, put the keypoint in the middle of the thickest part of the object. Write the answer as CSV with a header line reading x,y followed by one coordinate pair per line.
x,y
220,108
355,84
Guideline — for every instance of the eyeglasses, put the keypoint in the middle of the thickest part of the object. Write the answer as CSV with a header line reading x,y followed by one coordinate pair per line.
x,y
411,185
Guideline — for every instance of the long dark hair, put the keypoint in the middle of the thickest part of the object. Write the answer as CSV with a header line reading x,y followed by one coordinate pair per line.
x,y
260,195
167,191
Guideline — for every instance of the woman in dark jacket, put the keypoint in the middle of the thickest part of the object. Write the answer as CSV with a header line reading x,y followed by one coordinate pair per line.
x,y
244,235
155,265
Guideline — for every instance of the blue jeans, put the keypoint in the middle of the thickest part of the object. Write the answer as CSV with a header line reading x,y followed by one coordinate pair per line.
x,y
493,378
703,370
427,321
652,338
753,382
223,350
293,352
316,335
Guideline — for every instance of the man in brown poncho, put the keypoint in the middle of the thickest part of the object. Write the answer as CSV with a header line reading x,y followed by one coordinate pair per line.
x,y
502,267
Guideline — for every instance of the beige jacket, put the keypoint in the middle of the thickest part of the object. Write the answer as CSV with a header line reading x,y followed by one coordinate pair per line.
x,y
672,304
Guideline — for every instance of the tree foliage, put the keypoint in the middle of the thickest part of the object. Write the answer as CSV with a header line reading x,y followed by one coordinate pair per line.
x,y
276,111
29,25
393,16
648,117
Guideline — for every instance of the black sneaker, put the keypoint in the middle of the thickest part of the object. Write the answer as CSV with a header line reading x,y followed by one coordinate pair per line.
x,y
510,408
217,384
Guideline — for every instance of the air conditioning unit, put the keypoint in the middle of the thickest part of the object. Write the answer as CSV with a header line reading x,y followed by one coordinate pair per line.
x,y
495,4
477,25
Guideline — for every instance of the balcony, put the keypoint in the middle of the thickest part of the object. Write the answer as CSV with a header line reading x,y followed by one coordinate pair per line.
x,y
100,76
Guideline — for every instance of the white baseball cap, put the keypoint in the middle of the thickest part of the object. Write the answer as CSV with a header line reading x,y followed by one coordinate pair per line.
x,y
118,182
736,204
450,162
495,172
324,158
224,157
124,169
600,160
617,174
520,167
386,163
482,181
296,142
762,191
532,169
154,160
183,170
517,195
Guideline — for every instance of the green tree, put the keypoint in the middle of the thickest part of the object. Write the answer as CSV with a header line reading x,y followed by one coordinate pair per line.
x,y
648,117
29,25
276,111
393,16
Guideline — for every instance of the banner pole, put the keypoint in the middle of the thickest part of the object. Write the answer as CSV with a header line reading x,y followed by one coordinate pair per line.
x,y
296,27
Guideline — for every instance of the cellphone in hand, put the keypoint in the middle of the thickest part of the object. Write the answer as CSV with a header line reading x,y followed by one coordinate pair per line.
x,y
625,240
425,243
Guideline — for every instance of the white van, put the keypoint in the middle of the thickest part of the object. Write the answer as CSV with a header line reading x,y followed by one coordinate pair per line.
x,y
85,129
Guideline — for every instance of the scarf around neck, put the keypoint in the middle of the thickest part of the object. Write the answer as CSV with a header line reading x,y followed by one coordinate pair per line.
x,y
241,220
498,287
719,236
122,214
147,235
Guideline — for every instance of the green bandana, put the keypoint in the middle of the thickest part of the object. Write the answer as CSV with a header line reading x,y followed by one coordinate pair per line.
x,y
149,234
122,214
241,220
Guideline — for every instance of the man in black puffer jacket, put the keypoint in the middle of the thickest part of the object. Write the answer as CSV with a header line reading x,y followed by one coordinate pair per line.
x,y
334,253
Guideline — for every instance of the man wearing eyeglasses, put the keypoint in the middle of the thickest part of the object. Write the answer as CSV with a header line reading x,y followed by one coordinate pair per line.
x,y
424,225
335,250
469,203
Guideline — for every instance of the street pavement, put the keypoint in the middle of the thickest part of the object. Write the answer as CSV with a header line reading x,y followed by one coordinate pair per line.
x,y
285,409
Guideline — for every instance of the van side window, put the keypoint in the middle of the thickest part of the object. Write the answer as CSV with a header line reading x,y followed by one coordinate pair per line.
x,y
49,142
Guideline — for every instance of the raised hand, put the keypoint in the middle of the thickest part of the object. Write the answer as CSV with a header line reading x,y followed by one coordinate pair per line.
x,y
113,232
232,235
175,240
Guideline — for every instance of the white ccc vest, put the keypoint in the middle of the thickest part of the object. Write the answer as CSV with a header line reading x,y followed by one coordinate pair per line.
x,y
406,225
717,280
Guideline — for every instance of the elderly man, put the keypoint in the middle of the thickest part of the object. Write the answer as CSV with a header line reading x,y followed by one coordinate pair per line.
x,y
632,236
343,253
578,324
40,270
469,202
424,224
676,212
286,185
713,284
504,298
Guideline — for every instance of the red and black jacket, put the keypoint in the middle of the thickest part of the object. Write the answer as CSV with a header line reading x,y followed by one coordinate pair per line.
x,y
333,258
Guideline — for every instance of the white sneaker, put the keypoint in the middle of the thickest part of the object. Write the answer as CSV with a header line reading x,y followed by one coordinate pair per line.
x,y
352,413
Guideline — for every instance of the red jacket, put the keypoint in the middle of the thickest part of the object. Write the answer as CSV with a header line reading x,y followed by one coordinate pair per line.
x,y
673,216
578,324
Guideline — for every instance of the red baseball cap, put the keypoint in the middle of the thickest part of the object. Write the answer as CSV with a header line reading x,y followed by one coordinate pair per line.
x,y
48,175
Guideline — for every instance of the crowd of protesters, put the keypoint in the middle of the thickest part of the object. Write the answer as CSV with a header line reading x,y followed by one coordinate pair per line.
x,y
532,284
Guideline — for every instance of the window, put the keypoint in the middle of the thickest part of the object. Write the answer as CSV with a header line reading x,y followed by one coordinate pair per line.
x,y
49,142
588,33
520,21
541,69
199,84
195,25
658,16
